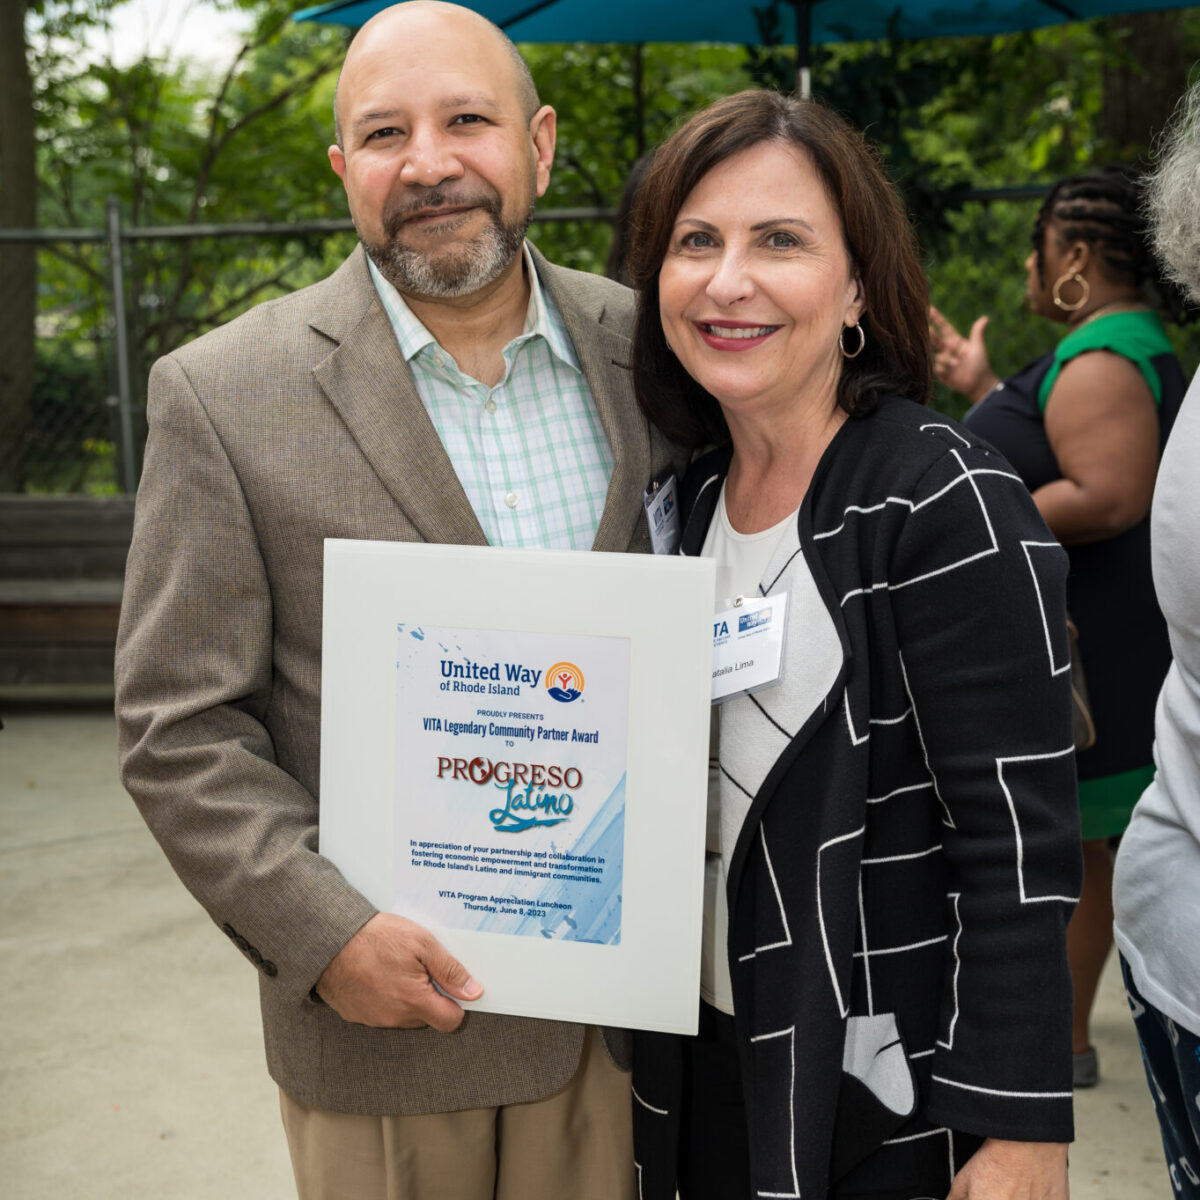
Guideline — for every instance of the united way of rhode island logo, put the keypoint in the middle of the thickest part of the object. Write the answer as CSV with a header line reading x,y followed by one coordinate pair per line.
x,y
564,681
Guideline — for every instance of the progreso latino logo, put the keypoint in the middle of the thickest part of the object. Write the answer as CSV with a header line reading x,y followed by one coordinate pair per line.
x,y
564,681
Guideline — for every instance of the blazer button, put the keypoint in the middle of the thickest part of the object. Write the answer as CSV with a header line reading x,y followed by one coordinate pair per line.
x,y
228,930
255,957
241,943
269,968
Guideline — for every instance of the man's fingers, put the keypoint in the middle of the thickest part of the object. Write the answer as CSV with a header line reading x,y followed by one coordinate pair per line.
x,y
977,330
384,977
441,1013
449,974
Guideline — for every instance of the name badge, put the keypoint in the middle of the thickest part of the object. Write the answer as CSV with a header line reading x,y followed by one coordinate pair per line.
x,y
662,514
748,646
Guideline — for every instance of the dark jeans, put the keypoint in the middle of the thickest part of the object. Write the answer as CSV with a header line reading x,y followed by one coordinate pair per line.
x,y
1171,1056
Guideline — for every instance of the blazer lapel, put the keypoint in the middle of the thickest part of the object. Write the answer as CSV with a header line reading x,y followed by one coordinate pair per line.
x,y
605,354
367,380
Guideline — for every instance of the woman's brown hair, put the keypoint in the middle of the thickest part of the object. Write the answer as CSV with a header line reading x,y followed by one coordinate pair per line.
x,y
879,239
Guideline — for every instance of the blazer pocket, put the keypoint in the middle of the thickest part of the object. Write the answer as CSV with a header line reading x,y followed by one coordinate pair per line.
x,y
877,1094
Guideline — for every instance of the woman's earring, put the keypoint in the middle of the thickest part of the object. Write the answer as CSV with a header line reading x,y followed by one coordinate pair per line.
x,y
862,340
1085,291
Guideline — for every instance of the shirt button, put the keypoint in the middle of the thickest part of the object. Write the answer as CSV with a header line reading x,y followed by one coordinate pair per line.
x,y
438,361
490,405
511,499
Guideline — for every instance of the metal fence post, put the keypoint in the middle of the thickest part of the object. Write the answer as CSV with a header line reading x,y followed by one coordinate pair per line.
x,y
116,260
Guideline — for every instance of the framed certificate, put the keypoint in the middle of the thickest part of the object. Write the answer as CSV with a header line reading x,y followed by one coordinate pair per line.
x,y
514,750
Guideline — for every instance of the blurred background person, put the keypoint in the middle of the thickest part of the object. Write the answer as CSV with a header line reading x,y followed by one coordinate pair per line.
x,y
882,1014
1157,885
1084,426
616,266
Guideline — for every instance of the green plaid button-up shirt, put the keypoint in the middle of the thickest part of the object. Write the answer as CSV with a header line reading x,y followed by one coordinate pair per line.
x,y
530,452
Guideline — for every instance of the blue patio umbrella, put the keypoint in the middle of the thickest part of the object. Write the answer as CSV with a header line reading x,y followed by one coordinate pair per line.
x,y
735,20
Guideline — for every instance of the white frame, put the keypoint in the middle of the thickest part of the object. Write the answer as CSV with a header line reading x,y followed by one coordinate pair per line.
x,y
663,605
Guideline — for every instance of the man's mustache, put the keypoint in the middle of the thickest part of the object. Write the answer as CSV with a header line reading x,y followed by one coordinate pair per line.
x,y
427,203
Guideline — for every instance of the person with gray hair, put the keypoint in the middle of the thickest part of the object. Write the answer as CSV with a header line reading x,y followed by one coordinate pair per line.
x,y
1156,888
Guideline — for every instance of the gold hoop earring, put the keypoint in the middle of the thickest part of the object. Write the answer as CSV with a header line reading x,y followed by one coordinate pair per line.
x,y
1056,292
862,340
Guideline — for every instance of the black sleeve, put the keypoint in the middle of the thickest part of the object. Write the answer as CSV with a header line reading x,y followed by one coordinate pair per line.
x,y
977,588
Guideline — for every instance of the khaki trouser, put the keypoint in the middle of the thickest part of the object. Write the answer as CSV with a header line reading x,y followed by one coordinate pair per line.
x,y
576,1144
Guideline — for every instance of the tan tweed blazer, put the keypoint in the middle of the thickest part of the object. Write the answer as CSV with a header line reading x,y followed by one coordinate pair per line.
x,y
297,422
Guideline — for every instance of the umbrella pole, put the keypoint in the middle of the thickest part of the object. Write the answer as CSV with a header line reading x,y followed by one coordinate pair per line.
x,y
803,47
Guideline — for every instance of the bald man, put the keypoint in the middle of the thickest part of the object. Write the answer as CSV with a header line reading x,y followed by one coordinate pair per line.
x,y
446,384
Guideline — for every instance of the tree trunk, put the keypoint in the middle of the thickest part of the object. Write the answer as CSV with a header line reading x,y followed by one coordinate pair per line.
x,y
18,261
1143,81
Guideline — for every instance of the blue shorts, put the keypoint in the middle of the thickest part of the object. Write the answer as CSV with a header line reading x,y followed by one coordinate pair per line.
x,y
1171,1056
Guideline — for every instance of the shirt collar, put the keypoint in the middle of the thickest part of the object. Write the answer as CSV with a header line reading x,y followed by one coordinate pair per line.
x,y
541,318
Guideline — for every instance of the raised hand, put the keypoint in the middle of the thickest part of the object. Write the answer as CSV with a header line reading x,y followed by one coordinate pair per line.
x,y
961,362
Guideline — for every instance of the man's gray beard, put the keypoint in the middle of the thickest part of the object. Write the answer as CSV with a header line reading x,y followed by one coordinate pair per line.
x,y
459,271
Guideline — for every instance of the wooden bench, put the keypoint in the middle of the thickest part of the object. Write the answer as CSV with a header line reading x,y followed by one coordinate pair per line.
x,y
62,563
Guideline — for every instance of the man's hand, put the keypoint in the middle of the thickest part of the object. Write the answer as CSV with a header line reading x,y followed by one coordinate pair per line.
x,y
384,976
1001,1170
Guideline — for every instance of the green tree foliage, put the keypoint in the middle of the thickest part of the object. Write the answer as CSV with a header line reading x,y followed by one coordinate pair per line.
x,y
953,116
180,144
18,263
1033,108
55,21
177,144
614,103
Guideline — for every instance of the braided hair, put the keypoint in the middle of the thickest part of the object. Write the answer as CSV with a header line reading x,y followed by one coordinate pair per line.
x,y
1104,208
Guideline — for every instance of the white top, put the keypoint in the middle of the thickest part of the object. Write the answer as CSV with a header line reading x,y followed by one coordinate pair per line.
x,y
1156,890
742,560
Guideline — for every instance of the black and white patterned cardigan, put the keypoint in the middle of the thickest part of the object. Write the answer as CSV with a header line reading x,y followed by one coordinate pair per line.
x,y
900,890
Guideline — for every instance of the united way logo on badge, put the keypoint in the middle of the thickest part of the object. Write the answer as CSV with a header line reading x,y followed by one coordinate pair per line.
x,y
564,681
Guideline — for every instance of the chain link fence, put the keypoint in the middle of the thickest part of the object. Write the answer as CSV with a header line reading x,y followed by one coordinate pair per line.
x,y
101,323
104,293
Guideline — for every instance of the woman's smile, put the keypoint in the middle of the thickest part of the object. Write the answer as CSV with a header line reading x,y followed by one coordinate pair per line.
x,y
733,335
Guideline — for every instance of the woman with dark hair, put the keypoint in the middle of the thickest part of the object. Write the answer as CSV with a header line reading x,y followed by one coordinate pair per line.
x,y
893,847
617,264
1085,426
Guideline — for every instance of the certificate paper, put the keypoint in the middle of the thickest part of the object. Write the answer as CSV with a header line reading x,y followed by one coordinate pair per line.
x,y
518,826
514,751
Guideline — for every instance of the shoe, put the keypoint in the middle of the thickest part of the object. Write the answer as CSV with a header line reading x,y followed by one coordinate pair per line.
x,y
1085,1069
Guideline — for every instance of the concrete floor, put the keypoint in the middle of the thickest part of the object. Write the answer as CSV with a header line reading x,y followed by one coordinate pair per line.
x,y
131,1063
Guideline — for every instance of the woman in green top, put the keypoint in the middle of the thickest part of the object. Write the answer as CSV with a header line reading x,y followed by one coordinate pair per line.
x,y
1084,426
